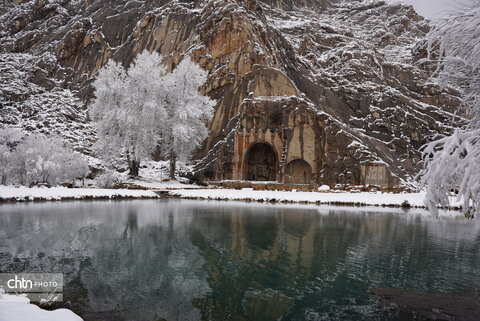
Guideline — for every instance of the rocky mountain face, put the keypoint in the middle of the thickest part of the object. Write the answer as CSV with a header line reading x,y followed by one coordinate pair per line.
x,y
311,91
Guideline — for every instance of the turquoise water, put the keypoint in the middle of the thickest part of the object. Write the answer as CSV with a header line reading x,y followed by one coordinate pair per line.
x,y
201,260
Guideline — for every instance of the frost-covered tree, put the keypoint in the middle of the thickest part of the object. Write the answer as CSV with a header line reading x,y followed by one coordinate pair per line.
x,y
188,112
37,159
142,108
9,138
46,160
454,161
129,109
5,156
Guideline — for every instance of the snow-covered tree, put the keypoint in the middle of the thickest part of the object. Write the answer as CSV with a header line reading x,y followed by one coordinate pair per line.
x,y
5,156
129,109
454,161
188,112
9,138
37,159
142,108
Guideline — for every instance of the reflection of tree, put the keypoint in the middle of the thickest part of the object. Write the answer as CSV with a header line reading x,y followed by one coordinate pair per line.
x,y
132,224
154,273
122,262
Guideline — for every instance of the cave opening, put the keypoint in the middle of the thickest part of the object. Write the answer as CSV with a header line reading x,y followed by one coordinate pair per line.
x,y
261,163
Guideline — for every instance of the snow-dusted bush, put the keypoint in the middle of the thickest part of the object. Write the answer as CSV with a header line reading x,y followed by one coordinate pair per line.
x,y
107,179
139,109
453,163
37,159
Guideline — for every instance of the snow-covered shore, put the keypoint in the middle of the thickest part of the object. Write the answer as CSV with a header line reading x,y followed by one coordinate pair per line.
x,y
19,308
336,198
12,194
22,193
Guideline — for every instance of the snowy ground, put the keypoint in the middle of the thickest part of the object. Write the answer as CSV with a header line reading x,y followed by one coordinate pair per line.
x,y
18,308
338,198
58,193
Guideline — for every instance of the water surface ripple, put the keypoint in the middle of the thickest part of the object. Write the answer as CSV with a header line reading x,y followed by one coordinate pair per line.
x,y
200,260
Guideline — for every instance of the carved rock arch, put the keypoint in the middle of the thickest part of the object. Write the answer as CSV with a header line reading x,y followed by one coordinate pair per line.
x,y
261,162
298,171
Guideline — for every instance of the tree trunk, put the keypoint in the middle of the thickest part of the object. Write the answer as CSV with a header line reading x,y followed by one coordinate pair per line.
x,y
134,168
173,163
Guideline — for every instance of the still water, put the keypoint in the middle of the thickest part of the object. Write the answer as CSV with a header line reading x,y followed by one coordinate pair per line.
x,y
202,260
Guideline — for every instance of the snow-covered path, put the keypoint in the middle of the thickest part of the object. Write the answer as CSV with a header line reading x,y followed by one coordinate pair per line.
x,y
340,198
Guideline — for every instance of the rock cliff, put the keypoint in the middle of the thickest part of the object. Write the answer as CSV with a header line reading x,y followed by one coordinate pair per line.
x,y
313,91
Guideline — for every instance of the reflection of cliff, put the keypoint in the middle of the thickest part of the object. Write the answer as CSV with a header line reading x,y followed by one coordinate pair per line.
x,y
265,263
268,251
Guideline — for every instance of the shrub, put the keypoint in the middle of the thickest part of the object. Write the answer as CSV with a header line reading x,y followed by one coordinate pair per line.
x,y
37,159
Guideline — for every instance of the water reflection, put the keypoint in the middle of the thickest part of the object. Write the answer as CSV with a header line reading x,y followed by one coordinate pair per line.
x,y
197,260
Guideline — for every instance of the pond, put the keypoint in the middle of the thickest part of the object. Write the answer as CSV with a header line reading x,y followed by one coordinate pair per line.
x,y
206,260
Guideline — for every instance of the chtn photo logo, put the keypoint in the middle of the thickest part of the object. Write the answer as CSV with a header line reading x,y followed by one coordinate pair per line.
x,y
22,283
37,286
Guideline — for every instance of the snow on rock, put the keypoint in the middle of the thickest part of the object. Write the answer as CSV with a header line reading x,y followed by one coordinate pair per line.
x,y
341,198
46,108
18,308
11,193
324,188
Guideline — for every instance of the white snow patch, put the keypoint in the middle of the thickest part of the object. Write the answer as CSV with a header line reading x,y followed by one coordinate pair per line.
x,y
18,308
58,193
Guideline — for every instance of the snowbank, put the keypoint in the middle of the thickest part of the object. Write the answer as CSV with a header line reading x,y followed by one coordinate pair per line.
x,y
11,193
342,198
18,308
